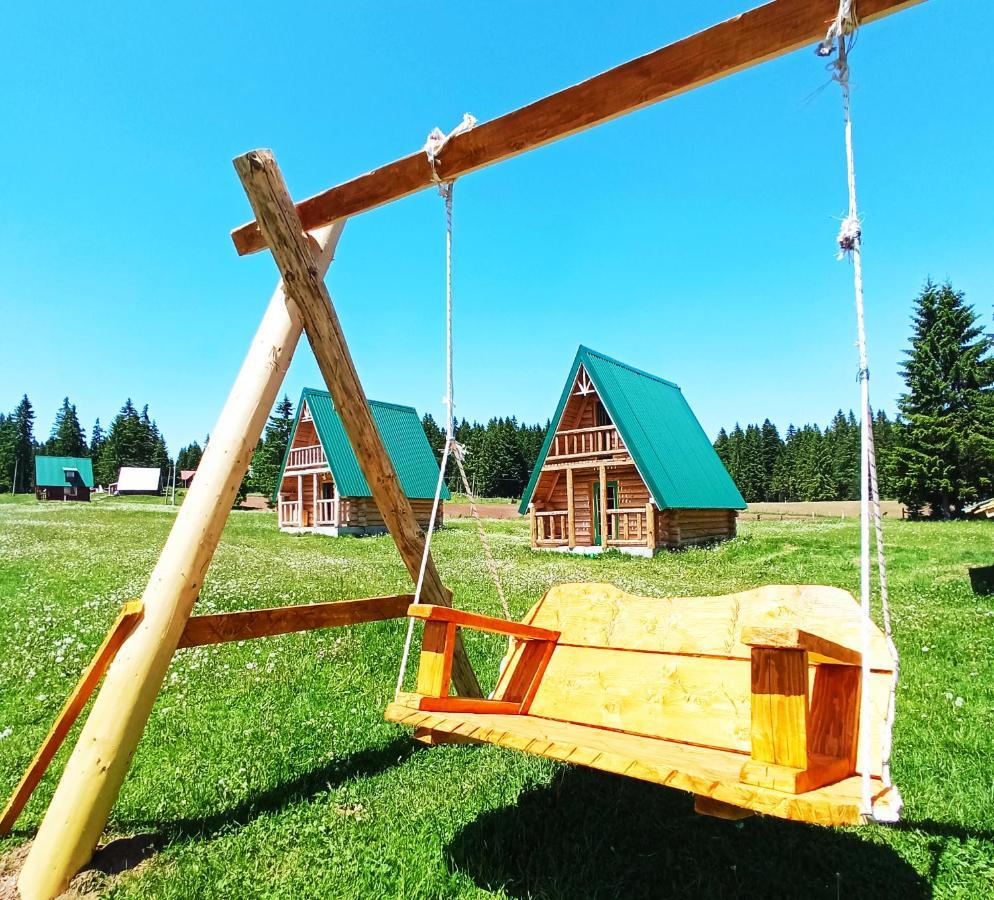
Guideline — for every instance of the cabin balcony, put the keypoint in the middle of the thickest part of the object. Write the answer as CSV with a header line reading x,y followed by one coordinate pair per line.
x,y
311,457
624,528
583,443
309,514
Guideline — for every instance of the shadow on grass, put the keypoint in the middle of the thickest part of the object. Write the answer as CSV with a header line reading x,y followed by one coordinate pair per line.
x,y
590,834
363,764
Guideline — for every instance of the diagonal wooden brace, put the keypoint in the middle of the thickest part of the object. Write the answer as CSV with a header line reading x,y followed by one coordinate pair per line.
x,y
280,224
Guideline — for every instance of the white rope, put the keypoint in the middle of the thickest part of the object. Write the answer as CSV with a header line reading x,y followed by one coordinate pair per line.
x,y
850,247
433,147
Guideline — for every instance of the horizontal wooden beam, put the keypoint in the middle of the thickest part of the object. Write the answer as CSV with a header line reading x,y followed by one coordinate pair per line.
x,y
481,623
788,637
591,464
257,623
771,30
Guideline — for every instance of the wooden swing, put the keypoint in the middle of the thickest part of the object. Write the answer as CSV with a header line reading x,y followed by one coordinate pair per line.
x,y
749,701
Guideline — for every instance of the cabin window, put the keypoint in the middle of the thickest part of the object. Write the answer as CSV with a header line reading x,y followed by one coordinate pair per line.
x,y
327,490
601,417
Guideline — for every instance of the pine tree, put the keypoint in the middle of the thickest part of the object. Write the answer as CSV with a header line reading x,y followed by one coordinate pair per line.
x,y
126,445
772,449
67,438
8,441
24,446
97,439
435,435
268,456
945,453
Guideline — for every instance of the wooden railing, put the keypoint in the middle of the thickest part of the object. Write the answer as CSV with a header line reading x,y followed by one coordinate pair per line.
x,y
326,513
289,513
600,441
627,527
551,526
306,457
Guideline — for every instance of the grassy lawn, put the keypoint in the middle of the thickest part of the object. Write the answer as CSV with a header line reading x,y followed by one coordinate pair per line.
x,y
267,769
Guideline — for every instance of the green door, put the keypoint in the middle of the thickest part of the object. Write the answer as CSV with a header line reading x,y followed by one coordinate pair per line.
x,y
612,503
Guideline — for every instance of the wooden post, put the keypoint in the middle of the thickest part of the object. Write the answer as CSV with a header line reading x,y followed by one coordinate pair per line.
x,y
533,524
604,517
300,501
650,526
280,224
314,499
570,513
780,707
100,760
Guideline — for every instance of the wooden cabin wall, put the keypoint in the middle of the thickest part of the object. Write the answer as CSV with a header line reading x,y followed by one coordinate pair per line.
x,y
305,435
362,512
632,492
685,527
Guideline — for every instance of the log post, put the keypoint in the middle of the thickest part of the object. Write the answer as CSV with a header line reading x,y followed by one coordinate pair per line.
x,y
650,525
570,511
98,764
603,499
280,224
533,524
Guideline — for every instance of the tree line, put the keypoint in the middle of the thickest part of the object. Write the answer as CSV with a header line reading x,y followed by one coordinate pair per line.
x,y
133,439
937,457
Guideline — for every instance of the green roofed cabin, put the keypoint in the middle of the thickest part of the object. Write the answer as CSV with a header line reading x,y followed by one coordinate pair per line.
x,y
321,487
63,478
626,465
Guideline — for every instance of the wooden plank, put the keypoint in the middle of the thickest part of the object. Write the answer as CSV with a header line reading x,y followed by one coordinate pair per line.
x,y
711,773
570,511
100,761
283,231
752,37
689,699
650,525
468,705
779,707
533,525
821,770
791,637
716,809
256,623
480,623
126,620
435,667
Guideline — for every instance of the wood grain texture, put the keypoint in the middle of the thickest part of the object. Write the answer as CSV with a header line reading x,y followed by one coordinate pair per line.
x,y
711,773
281,226
480,622
790,637
87,684
779,719
256,623
753,37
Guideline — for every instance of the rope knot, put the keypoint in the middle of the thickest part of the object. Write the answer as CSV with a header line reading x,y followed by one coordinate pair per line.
x,y
849,237
437,139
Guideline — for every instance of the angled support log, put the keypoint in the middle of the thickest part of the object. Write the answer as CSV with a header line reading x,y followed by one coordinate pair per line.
x,y
98,764
280,224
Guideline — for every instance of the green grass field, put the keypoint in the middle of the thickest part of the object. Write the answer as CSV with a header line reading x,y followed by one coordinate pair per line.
x,y
267,769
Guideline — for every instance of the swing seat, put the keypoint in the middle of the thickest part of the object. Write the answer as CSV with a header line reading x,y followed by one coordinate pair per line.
x,y
750,701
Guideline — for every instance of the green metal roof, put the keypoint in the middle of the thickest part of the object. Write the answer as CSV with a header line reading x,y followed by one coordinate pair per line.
x,y
402,434
50,471
670,449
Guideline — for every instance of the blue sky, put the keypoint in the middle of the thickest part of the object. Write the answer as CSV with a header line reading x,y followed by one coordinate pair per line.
x,y
694,239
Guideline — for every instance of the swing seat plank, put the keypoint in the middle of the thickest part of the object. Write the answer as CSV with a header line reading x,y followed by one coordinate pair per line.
x,y
748,700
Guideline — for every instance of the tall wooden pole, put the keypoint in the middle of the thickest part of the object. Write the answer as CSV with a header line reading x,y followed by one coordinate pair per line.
x,y
97,767
274,210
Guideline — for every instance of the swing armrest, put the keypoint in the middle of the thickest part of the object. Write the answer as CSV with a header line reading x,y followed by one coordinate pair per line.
x,y
447,615
785,637
438,646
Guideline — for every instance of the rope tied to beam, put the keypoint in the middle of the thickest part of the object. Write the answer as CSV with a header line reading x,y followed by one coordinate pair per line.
x,y
452,448
840,38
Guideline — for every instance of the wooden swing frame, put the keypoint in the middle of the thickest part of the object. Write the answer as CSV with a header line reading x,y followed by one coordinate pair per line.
x,y
302,239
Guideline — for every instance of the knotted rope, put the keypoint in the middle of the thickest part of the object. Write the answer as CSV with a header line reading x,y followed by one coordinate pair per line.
x,y
850,247
433,146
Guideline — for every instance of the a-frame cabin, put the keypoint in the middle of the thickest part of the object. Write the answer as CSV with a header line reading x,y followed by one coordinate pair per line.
x,y
626,465
321,487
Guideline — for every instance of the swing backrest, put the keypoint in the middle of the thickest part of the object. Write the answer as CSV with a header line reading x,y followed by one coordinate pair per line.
x,y
678,669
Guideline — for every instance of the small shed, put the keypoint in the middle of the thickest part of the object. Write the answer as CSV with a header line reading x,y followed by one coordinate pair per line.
x,y
321,487
626,465
63,477
137,480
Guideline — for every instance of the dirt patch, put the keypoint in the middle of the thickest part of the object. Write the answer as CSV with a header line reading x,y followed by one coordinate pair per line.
x,y
486,511
836,509
125,854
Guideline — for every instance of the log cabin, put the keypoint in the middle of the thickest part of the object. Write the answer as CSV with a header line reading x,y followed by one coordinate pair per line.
x,y
626,465
321,487
63,478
